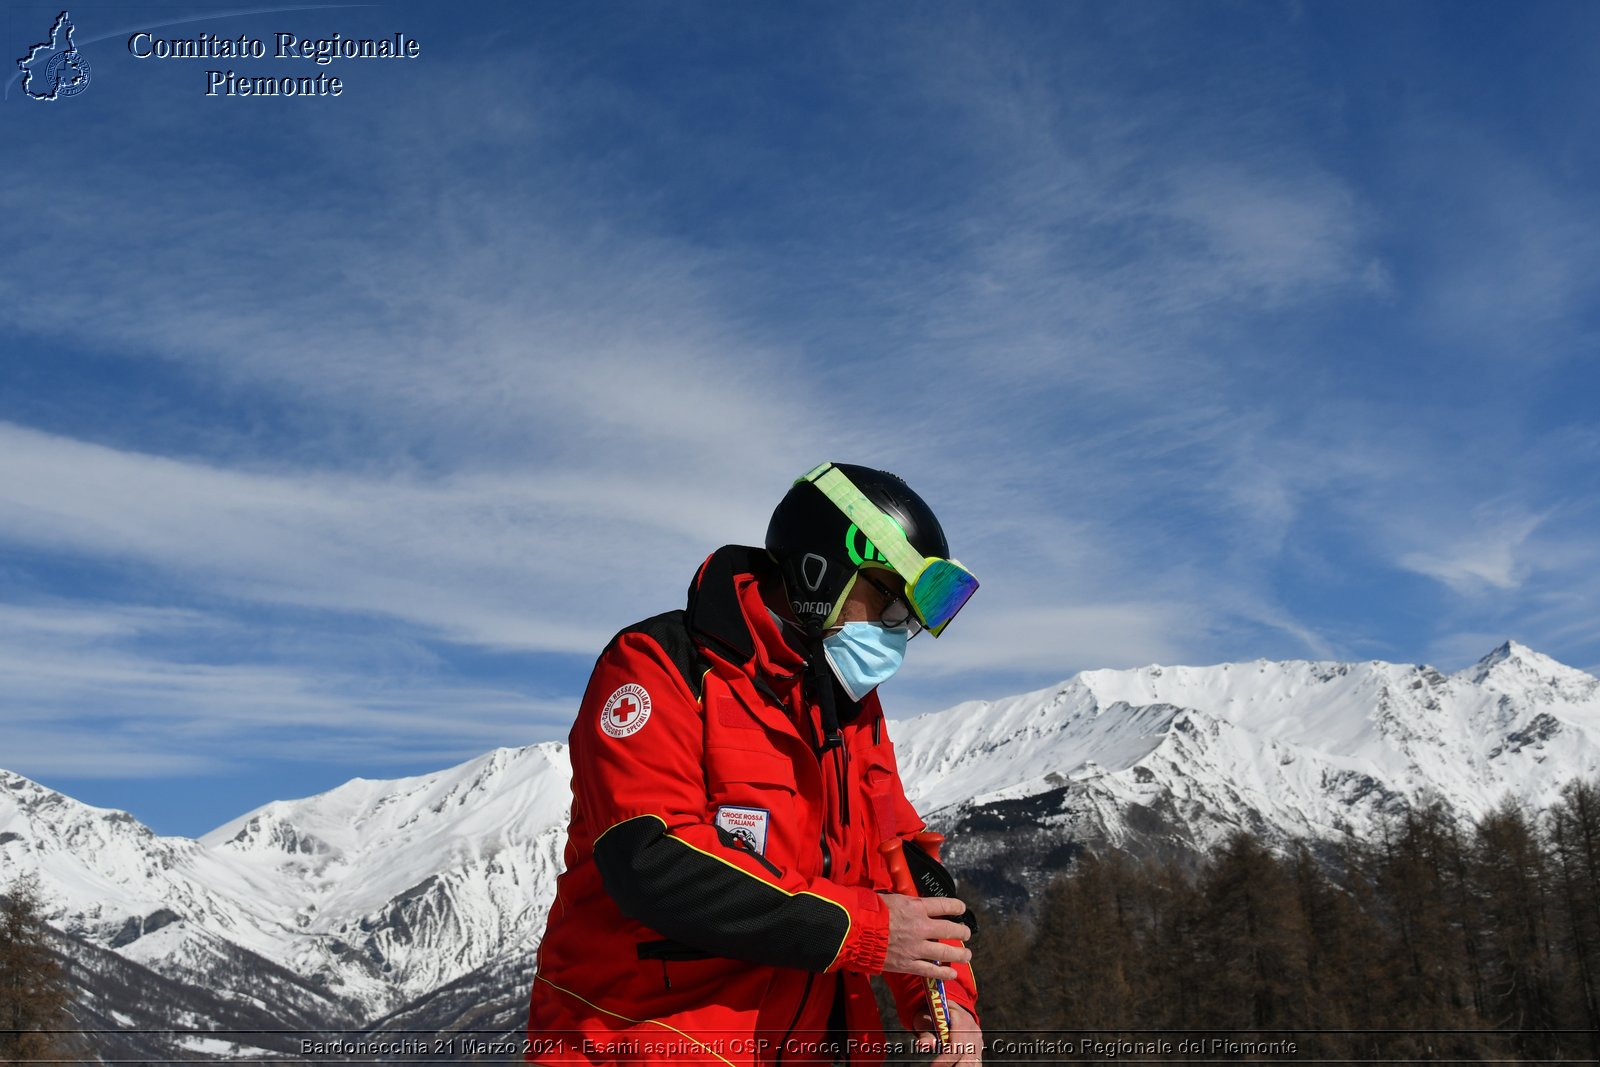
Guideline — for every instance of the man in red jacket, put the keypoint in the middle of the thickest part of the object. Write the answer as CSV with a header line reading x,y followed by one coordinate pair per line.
x,y
727,892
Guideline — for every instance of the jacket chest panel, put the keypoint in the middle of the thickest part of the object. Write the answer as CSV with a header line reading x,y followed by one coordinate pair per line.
x,y
762,784
766,785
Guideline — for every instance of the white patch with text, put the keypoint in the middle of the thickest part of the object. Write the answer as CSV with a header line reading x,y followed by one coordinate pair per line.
x,y
749,825
626,711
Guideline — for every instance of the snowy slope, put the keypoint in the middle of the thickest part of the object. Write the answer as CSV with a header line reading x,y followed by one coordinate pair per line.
x,y
1297,749
408,884
376,891
379,892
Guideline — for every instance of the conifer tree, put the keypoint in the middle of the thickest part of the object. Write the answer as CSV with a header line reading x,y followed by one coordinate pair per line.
x,y
1575,858
1438,941
34,997
1173,975
1253,937
1085,945
1512,878
1379,963
1420,880
1341,938
1003,958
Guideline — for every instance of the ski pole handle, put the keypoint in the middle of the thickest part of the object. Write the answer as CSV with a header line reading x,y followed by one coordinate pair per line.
x,y
929,842
902,882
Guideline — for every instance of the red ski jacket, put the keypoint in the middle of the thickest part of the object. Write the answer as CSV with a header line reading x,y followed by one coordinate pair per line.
x,y
720,899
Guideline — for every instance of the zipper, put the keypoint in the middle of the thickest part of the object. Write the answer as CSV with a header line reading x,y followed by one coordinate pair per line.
x,y
744,846
819,752
670,950
665,950
767,691
768,864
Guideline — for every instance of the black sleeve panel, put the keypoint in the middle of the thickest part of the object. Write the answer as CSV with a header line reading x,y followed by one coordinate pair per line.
x,y
707,903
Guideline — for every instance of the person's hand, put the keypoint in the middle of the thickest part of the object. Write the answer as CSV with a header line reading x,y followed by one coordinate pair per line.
x,y
966,1039
916,929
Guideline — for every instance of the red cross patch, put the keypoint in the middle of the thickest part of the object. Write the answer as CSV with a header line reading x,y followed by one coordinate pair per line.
x,y
626,711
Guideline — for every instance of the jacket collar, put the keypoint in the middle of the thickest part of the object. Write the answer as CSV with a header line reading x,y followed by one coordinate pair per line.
x,y
726,614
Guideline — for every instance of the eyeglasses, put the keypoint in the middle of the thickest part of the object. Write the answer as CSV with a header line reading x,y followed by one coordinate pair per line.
x,y
935,588
896,612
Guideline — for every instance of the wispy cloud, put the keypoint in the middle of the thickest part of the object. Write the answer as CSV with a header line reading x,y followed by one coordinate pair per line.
x,y
140,683
1487,557
1047,640
1172,335
473,558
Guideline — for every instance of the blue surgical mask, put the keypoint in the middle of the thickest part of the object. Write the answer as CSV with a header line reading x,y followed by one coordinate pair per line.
x,y
864,655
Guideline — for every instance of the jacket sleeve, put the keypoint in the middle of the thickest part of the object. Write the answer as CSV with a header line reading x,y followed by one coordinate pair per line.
x,y
639,776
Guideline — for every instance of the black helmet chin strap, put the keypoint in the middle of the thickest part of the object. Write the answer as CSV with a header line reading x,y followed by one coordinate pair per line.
x,y
824,686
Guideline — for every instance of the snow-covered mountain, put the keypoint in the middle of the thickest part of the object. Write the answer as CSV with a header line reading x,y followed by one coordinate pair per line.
x,y
375,892
1171,758
378,893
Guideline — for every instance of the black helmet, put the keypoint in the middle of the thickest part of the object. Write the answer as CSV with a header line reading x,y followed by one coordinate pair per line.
x,y
818,549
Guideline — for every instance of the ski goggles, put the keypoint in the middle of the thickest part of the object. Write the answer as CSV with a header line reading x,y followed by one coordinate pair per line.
x,y
935,588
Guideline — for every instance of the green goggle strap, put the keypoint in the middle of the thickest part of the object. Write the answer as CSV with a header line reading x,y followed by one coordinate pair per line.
x,y
878,527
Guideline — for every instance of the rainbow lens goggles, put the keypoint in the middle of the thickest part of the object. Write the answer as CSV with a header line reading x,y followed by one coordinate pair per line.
x,y
935,588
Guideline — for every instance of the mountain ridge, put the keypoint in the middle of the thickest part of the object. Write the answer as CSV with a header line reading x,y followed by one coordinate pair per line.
x,y
379,893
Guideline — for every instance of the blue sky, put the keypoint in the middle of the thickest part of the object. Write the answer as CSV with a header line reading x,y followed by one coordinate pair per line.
x,y
338,434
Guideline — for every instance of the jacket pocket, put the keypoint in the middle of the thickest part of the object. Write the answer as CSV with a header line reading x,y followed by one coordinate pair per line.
x,y
666,949
752,796
730,770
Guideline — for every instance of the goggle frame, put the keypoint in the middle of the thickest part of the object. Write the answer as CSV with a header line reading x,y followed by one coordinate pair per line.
x,y
936,589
